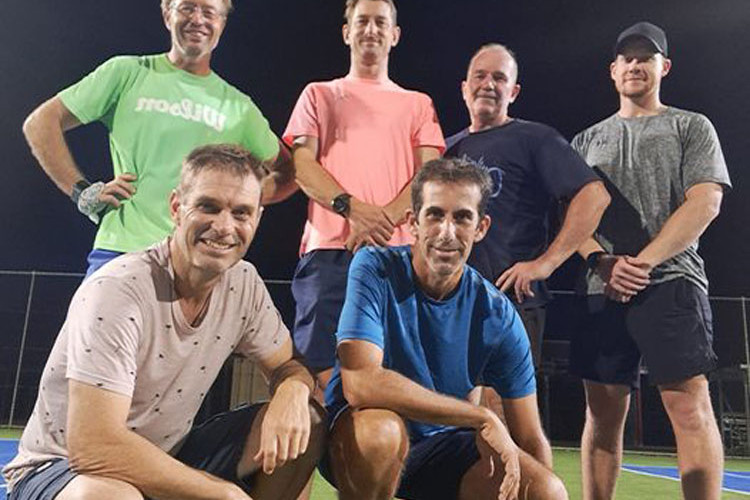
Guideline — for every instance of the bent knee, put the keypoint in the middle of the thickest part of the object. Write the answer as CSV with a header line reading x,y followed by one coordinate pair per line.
x,y
84,487
376,434
549,488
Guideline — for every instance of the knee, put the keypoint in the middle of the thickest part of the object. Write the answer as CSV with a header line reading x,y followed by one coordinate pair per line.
x,y
607,406
382,439
689,413
373,436
91,488
550,488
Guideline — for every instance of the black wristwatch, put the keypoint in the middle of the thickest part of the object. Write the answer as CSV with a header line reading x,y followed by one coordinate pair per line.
x,y
592,260
77,188
341,204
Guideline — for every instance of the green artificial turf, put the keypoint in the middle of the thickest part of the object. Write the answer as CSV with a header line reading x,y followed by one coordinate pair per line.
x,y
567,465
629,487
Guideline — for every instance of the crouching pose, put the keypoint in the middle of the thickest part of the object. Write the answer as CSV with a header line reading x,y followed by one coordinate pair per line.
x,y
418,331
143,341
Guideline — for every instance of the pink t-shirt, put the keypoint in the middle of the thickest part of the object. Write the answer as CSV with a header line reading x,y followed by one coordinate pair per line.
x,y
367,134
125,332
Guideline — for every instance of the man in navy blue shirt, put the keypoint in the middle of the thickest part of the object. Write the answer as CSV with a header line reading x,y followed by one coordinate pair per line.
x,y
419,329
538,168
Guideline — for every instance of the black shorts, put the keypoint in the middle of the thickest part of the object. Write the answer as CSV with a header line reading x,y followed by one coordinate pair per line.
x,y
215,447
534,319
434,466
669,324
319,289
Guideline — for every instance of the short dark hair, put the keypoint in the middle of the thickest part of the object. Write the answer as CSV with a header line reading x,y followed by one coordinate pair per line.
x,y
351,4
230,158
166,4
452,171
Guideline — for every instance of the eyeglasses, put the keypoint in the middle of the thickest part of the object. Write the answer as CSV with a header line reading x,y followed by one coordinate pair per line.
x,y
187,9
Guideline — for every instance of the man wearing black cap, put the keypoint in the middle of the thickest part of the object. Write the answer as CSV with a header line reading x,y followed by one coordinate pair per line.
x,y
646,287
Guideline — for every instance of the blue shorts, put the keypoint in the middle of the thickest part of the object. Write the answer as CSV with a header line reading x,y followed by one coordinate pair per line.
x,y
97,258
434,466
668,324
215,447
319,289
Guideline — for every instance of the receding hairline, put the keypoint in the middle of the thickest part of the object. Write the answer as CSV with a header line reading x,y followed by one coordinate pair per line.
x,y
494,46
352,4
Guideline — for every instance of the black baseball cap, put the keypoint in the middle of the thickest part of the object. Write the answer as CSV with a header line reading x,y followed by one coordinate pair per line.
x,y
650,32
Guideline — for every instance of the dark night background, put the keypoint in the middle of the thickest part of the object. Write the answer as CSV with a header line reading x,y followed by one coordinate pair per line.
x,y
272,49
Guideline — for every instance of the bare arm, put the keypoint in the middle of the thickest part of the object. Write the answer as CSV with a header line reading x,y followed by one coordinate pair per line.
x,y
701,206
522,418
99,444
369,222
279,184
581,220
44,130
396,209
367,384
285,430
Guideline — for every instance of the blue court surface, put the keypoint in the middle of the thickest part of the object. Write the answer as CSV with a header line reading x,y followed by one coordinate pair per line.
x,y
736,482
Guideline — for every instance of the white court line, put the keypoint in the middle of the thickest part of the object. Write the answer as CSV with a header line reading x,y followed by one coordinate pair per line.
x,y
642,473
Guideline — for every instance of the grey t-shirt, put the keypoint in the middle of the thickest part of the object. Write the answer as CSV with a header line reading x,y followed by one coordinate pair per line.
x,y
125,332
647,164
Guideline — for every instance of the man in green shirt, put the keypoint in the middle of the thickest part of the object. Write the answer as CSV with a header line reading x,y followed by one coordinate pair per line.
x,y
156,108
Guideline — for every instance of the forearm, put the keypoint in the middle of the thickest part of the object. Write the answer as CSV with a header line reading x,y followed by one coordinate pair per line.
x,y
292,373
396,209
44,134
581,220
383,388
683,227
314,180
588,246
125,456
279,184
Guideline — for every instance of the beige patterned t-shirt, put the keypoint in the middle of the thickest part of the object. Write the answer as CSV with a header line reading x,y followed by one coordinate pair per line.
x,y
125,332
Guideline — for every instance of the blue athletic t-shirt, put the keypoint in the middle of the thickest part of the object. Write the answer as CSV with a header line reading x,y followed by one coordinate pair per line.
x,y
449,346
532,166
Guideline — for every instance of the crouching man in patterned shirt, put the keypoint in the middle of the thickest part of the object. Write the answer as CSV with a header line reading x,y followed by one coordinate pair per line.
x,y
143,341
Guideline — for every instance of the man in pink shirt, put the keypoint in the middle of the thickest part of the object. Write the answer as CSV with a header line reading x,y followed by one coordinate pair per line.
x,y
357,142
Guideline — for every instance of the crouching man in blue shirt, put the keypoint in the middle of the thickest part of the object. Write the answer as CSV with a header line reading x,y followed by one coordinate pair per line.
x,y
419,329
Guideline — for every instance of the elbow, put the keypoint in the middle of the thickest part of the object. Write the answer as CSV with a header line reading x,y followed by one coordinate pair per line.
x,y
601,198
30,125
355,391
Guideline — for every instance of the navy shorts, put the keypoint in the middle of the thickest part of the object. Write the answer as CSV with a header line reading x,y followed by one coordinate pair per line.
x,y
215,447
534,319
668,324
434,466
319,289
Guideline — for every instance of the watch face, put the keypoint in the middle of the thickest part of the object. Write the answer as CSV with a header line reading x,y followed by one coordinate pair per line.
x,y
340,204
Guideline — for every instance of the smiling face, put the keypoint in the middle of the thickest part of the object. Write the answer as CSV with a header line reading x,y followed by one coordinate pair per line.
x,y
215,218
445,230
371,32
195,27
490,87
638,70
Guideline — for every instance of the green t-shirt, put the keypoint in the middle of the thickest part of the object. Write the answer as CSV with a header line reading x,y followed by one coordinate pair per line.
x,y
156,114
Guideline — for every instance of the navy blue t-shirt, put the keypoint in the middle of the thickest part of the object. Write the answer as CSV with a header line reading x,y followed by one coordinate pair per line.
x,y
532,167
448,346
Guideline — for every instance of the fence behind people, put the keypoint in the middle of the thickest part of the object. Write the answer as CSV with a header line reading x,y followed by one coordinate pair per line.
x,y
33,305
